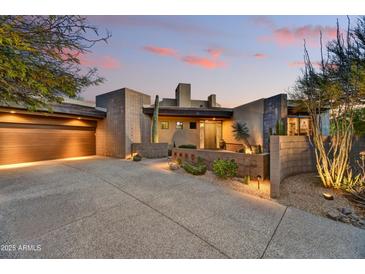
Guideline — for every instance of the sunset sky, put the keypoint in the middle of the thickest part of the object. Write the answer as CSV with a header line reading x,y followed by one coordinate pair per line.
x,y
239,58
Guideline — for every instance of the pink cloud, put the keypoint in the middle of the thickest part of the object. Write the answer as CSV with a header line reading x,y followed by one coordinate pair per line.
x,y
291,36
260,55
203,62
161,51
105,62
215,53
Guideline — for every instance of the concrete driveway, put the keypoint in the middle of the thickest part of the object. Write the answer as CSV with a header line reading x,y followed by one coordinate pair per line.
x,y
111,208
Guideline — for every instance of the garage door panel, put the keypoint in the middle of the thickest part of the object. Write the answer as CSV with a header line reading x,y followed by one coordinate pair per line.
x,y
19,145
17,137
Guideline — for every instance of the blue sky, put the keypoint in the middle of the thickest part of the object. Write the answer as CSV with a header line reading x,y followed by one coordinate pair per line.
x,y
239,58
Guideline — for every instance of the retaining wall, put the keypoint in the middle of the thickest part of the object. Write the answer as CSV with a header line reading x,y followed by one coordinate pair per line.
x,y
248,164
151,150
289,155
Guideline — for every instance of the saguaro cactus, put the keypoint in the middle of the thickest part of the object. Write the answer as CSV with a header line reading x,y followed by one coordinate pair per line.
x,y
155,121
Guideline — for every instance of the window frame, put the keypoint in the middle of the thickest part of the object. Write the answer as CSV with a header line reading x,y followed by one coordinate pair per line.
x,y
164,123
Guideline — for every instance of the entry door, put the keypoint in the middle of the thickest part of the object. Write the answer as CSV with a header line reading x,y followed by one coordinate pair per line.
x,y
210,136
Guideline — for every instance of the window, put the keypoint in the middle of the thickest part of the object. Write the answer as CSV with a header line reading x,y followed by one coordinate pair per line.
x,y
179,125
164,125
192,125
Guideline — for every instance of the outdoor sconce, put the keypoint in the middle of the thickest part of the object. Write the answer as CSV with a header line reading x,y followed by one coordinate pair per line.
x,y
258,177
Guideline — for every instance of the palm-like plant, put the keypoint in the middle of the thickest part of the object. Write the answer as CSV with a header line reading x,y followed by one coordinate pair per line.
x,y
241,132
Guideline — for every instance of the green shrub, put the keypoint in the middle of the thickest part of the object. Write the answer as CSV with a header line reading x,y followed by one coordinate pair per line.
x,y
190,146
137,158
196,169
225,168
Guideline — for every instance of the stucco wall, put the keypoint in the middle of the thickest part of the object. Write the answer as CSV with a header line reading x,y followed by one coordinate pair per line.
x,y
179,136
248,164
252,115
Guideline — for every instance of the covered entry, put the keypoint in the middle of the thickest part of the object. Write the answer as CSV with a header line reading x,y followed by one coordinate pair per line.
x,y
210,134
27,138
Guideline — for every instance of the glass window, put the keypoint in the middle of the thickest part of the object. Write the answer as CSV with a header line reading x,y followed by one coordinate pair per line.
x,y
192,125
304,126
164,125
179,125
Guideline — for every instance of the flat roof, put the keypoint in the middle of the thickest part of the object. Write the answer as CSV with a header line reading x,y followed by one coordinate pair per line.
x,y
191,112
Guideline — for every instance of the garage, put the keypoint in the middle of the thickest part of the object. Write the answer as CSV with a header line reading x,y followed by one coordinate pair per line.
x,y
35,137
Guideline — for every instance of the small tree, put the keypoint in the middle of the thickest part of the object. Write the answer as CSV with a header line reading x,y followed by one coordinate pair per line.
x,y
241,133
40,58
155,121
338,85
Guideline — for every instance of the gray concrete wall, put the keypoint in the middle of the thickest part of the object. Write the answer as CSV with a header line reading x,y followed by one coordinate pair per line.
x,y
248,164
289,155
151,150
183,95
252,114
137,124
114,126
125,122
275,109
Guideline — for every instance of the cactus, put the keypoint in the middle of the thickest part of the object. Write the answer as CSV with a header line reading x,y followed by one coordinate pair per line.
x,y
155,121
280,128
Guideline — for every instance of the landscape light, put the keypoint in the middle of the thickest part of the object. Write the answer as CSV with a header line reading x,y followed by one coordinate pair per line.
x,y
258,177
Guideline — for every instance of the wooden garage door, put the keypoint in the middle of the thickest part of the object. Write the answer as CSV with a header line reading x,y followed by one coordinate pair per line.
x,y
37,138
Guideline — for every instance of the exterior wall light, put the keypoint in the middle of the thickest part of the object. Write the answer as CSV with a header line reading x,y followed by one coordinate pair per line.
x,y
13,111
258,177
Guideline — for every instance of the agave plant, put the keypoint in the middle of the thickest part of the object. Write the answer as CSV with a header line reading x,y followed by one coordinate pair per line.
x,y
241,133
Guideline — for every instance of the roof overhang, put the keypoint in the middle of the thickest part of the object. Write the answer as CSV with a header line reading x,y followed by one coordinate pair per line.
x,y
191,112
61,110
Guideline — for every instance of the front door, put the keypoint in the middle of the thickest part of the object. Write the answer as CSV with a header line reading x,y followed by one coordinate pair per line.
x,y
210,137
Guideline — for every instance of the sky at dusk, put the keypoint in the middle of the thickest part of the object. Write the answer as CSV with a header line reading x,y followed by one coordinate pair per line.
x,y
239,58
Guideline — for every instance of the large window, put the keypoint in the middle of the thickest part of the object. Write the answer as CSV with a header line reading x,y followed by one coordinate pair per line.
x,y
298,126
179,125
164,125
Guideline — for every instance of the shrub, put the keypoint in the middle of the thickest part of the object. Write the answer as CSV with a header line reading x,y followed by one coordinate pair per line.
x,y
196,169
190,146
137,158
225,168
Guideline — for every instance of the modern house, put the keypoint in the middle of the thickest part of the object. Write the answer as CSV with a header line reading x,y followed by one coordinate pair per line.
x,y
121,119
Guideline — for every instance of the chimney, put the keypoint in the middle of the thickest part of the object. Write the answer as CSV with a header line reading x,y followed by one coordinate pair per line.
x,y
183,95
212,101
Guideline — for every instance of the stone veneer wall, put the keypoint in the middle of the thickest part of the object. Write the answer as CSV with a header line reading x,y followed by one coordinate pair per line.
x,y
289,155
248,164
151,150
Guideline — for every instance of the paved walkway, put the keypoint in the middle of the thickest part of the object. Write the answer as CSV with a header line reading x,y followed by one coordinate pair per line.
x,y
110,208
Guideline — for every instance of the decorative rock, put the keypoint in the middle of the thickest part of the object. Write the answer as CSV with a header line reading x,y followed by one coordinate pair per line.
x,y
346,211
345,219
333,214
173,166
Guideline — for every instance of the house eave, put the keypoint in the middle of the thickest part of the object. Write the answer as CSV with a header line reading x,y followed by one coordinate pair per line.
x,y
191,112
